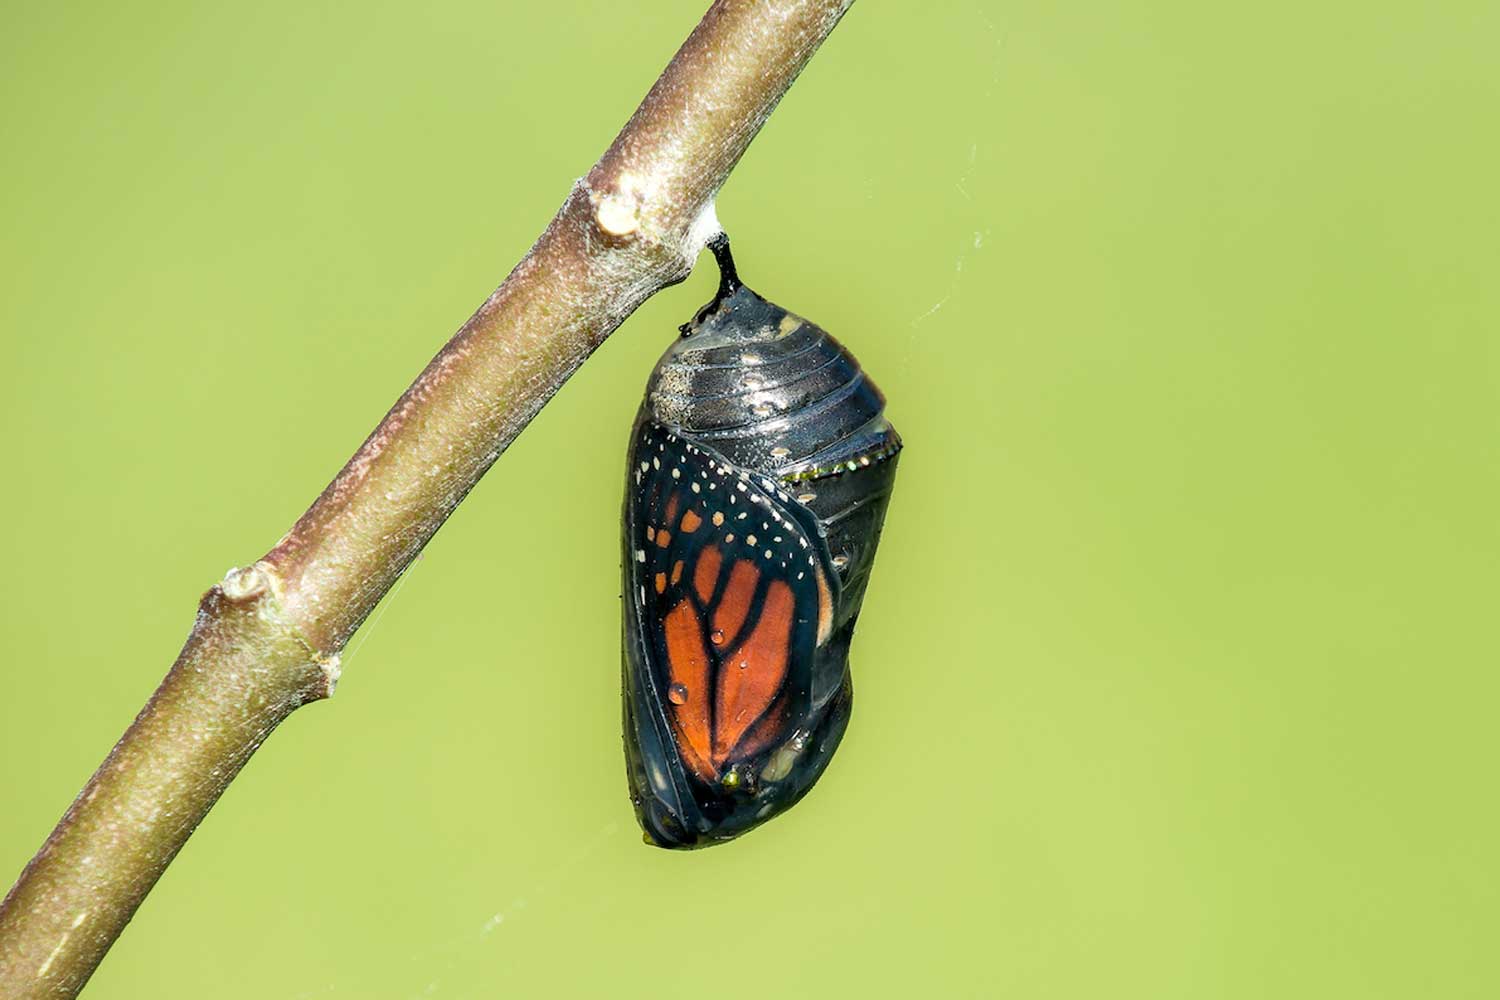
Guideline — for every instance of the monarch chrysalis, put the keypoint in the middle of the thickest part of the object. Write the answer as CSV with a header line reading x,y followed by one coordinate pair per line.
x,y
761,464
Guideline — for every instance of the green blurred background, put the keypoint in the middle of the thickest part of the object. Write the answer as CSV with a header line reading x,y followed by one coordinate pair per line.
x,y
1177,677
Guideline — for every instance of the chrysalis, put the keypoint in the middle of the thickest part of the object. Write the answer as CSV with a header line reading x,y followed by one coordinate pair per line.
x,y
761,464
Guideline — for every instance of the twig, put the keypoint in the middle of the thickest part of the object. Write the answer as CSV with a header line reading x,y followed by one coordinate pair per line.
x,y
267,638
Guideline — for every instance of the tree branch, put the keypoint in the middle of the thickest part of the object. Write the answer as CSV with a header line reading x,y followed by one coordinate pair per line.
x,y
267,638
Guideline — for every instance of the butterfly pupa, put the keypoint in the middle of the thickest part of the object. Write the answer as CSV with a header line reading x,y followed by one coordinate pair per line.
x,y
760,468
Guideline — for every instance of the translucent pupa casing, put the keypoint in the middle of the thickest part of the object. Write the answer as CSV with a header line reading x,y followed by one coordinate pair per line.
x,y
761,465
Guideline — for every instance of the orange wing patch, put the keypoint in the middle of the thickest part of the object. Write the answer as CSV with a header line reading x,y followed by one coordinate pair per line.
x,y
727,631
706,573
687,666
771,728
734,606
752,677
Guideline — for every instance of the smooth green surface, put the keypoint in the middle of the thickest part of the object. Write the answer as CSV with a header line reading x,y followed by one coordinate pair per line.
x,y
1177,677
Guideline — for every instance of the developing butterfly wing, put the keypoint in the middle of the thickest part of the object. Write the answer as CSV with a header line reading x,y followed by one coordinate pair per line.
x,y
734,699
